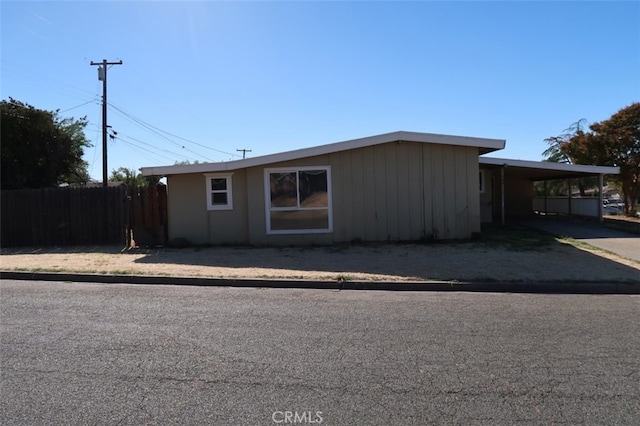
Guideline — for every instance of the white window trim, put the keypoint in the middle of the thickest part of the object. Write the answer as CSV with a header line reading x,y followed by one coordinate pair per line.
x,y
229,191
269,209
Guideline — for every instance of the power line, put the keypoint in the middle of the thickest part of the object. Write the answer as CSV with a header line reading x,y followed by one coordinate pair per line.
x,y
124,138
157,131
148,152
78,106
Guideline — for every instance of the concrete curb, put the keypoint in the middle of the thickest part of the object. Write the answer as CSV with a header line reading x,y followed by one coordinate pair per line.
x,y
480,286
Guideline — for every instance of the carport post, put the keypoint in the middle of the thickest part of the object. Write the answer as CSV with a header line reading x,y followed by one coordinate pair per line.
x,y
570,195
546,209
502,192
600,198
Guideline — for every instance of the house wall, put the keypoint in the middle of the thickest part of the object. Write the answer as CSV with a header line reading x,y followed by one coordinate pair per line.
x,y
518,196
388,192
187,208
189,218
405,191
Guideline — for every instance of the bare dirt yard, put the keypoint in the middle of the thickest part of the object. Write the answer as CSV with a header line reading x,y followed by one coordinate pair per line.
x,y
514,255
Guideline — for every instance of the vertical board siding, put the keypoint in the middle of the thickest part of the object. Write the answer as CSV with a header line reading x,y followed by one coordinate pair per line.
x,y
416,194
381,196
231,226
256,219
391,183
403,206
449,193
369,219
460,196
473,191
387,192
438,199
426,184
357,196
404,191
342,206
188,208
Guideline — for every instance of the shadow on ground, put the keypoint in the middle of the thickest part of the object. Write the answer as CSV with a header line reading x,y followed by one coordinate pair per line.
x,y
498,254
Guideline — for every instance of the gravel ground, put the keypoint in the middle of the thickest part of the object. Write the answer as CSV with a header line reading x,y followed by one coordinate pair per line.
x,y
527,258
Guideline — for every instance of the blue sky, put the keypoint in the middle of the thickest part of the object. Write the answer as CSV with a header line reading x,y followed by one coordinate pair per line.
x,y
200,80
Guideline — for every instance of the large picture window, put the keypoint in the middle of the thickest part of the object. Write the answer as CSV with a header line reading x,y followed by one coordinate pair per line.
x,y
298,200
219,195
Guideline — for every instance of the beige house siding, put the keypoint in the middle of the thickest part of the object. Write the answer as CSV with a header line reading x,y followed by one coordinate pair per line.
x,y
189,218
389,192
405,191
230,226
187,208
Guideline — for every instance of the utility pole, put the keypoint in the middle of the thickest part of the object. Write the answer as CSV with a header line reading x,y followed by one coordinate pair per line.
x,y
244,152
102,76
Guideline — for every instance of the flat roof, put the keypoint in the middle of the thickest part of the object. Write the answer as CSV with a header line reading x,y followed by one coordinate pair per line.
x,y
484,145
545,170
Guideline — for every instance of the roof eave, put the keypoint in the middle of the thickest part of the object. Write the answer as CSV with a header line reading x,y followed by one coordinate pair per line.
x,y
544,165
484,146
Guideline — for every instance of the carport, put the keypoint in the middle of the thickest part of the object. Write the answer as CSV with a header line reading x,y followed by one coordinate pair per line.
x,y
506,188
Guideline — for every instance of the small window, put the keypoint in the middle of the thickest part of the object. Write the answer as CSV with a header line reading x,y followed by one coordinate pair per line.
x,y
298,200
482,181
219,196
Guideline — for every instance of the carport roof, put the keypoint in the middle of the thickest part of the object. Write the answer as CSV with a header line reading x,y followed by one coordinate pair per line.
x,y
543,170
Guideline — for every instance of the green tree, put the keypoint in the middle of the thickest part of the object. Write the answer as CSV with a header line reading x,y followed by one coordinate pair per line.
x,y
131,177
613,142
555,154
39,148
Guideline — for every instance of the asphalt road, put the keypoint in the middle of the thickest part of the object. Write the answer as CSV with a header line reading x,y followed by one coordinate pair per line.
x,y
139,354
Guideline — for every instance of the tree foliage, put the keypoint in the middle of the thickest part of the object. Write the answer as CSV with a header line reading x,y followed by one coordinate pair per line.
x,y
613,142
39,148
132,178
555,154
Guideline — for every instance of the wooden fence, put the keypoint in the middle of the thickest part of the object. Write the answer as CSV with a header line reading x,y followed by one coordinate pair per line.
x,y
82,216
147,219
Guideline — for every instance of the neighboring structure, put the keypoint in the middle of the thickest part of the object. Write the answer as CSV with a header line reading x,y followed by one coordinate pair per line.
x,y
391,187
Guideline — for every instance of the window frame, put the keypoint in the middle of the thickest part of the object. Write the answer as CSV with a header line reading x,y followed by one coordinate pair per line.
x,y
269,209
229,191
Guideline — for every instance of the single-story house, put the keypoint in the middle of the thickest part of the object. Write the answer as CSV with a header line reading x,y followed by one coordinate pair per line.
x,y
396,186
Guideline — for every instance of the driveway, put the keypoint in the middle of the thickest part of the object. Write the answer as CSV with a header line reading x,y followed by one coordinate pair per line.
x,y
619,242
